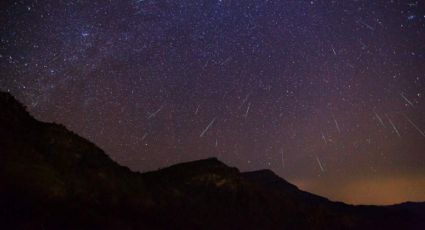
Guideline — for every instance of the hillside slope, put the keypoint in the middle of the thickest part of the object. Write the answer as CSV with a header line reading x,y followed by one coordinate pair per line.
x,y
50,178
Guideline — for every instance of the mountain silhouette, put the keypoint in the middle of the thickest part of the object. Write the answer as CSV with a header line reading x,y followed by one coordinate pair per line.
x,y
51,178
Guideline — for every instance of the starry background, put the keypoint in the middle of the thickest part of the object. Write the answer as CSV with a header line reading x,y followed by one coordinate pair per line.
x,y
327,94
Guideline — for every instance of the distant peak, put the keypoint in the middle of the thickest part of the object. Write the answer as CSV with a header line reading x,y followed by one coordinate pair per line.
x,y
198,167
263,172
212,160
208,162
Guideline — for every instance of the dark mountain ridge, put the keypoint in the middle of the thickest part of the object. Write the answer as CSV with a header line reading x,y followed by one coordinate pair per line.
x,y
50,178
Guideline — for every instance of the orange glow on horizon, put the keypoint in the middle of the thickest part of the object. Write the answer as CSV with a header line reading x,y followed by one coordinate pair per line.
x,y
370,191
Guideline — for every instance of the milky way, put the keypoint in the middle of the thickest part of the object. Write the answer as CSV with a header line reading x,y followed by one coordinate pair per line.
x,y
328,94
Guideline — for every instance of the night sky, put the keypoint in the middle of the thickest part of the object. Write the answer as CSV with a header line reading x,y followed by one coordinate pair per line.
x,y
330,95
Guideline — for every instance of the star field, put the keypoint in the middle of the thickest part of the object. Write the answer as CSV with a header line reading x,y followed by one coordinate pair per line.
x,y
328,94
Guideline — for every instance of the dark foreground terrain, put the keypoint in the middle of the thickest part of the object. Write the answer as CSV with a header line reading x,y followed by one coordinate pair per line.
x,y
50,178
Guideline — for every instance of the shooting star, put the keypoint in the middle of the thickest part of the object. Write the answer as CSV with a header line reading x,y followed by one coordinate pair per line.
x,y
244,100
144,136
208,127
414,125
216,142
320,164
155,113
282,159
324,138
227,60
379,119
337,125
197,110
333,50
247,110
206,64
407,100
364,46
392,124
366,25
368,140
